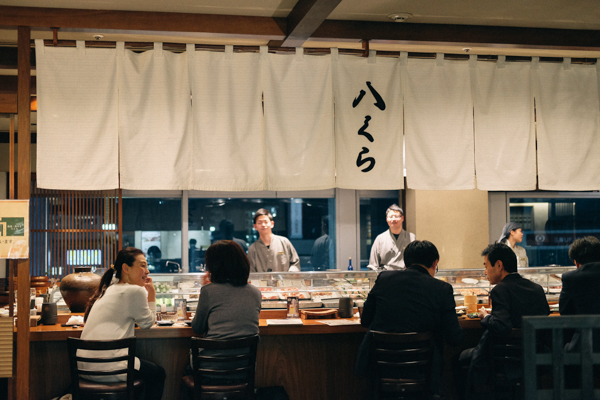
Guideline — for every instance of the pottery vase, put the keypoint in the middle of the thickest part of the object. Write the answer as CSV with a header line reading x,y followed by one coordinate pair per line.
x,y
78,287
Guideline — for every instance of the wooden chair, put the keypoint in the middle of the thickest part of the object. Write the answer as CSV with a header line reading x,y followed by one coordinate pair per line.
x,y
401,365
223,369
88,389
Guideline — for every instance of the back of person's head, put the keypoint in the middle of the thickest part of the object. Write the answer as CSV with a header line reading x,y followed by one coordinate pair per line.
x,y
421,252
500,251
261,212
226,227
193,242
585,250
227,263
395,208
124,256
507,229
154,251
325,222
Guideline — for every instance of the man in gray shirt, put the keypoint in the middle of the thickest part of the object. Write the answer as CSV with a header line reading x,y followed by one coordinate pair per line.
x,y
271,252
388,249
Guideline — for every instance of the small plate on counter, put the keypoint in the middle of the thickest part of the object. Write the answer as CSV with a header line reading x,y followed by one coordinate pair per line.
x,y
165,323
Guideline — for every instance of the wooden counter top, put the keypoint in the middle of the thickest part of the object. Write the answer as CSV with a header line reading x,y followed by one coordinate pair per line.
x,y
309,327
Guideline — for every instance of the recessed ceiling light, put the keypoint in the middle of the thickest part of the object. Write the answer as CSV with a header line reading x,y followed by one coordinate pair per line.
x,y
98,36
399,17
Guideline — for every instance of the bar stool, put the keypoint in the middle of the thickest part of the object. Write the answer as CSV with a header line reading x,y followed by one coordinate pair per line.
x,y
87,389
507,356
401,364
223,369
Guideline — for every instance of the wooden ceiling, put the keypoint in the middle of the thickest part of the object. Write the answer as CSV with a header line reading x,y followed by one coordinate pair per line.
x,y
512,27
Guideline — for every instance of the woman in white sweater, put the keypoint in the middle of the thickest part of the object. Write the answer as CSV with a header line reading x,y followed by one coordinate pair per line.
x,y
124,298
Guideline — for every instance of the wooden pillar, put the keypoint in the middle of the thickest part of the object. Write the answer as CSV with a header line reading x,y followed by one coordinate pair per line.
x,y
24,189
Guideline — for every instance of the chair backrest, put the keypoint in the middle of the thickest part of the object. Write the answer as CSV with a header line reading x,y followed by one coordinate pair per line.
x,y
507,355
110,346
224,368
401,362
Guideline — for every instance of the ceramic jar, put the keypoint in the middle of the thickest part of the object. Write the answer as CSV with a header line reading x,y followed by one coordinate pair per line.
x,y
77,288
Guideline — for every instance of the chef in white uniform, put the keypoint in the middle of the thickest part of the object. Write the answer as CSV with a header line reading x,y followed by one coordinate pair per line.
x,y
388,249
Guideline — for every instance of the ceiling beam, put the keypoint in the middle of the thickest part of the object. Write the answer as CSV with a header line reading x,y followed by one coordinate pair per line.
x,y
267,27
432,34
305,18
275,29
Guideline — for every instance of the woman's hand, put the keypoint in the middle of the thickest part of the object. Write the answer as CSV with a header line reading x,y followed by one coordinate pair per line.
x,y
150,289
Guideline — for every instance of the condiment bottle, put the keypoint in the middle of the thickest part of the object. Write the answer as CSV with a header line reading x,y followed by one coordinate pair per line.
x,y
350,264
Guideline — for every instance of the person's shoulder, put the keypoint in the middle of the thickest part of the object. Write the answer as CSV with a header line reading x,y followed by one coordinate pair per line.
x,y
131,290
253,289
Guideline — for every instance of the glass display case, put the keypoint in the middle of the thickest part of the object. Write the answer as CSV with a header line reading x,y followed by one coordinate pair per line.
x,y
324,288
474,281
313,288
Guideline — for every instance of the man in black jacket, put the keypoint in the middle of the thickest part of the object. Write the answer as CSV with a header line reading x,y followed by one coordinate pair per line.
x,y
579,293
511,299
412,300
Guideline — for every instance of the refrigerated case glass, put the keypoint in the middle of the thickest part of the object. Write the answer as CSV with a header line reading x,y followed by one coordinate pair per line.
x,y
324,289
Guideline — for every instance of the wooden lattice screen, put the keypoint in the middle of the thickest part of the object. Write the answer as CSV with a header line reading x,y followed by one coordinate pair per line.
x,y
72,228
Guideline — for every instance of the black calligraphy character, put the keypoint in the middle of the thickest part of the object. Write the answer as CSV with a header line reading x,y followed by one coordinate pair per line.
x,y
360,161
362,131
358,99
379,103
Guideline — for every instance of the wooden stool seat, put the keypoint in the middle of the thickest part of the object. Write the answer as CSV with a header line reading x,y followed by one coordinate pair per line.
x,y
111,352
226,372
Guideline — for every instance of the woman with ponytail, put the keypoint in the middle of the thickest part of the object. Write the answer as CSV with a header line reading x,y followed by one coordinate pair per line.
x,y
124,298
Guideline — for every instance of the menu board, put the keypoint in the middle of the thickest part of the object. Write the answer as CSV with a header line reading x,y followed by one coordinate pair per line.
x,y
14,229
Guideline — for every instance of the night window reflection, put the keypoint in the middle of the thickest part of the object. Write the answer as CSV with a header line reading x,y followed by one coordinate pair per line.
x,y
154,226
308,223
550,225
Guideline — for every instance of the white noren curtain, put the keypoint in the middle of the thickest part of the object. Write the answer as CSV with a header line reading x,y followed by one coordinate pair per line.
x,y
77,138
439,125
568,126
504,126
299,144
154,117
227,133
368,122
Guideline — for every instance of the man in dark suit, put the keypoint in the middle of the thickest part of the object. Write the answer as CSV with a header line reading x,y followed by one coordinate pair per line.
x,y
412,300
579,293
511,299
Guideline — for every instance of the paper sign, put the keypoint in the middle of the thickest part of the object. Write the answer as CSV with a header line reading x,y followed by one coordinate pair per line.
x,y
14,229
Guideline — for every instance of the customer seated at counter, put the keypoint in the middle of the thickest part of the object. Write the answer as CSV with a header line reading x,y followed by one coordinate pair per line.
x,y
579,295
511,299
124,298
271,252
412,300
229,306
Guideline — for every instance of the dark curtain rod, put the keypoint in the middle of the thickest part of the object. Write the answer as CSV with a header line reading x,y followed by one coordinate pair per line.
x,y
180,47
